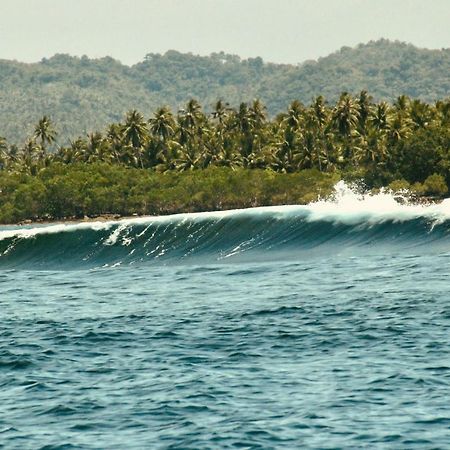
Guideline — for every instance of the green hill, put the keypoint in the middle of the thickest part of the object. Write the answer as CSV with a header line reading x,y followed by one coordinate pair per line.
x,y
82,94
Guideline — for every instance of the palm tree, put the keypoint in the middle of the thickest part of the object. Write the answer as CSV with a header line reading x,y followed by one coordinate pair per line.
x,y
364,110
228,157
95,149
345,115
257,113
44,131
294,115
319,111
443,112
31,157
400,129
283,154
221,112
135,130
162,124
135,133
401,104
420,114
191,115
345,120
115,142
3,153
380,117
374,151
78,150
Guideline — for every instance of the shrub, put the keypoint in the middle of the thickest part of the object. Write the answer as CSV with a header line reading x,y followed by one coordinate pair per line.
x,y
399,185
435,185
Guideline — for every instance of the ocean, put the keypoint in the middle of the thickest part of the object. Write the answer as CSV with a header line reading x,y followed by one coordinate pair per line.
x,y
323,326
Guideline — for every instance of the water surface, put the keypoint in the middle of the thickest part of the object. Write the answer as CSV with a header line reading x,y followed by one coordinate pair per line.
x,y
324,326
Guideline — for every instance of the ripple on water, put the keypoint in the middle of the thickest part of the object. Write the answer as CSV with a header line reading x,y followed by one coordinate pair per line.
x,y
335,355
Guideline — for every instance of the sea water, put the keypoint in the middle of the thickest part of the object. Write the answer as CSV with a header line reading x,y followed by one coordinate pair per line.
x,y
318,326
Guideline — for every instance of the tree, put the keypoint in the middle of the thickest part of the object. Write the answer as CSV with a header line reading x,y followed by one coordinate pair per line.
x,y
135,129
345,120
162,124
45,131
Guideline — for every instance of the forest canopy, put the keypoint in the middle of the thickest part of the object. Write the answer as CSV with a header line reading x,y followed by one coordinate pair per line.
x,y
194,160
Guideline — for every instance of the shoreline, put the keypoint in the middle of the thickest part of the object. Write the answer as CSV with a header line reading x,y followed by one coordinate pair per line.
x,y
102,218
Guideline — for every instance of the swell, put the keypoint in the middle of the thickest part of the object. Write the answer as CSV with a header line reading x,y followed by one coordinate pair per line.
x,y
328,228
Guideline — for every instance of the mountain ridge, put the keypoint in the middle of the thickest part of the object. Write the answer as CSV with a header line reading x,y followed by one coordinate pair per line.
x,y
83,94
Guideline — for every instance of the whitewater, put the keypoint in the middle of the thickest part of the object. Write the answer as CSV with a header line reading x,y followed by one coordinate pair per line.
x,y
299,326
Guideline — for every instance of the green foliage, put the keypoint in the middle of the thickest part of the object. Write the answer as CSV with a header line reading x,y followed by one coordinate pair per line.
x,y
435,185
399,186
79,190
83,94
231,158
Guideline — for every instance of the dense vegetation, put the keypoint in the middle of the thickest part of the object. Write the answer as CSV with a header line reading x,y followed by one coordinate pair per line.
x,y
233,157
83,94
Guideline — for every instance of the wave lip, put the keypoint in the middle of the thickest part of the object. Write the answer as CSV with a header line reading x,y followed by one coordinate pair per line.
x,y
348,221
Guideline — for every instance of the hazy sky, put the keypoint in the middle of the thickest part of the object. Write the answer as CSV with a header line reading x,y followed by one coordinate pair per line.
x,y
278,30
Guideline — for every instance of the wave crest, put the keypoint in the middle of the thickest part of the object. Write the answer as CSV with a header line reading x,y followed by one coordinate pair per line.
x,y
346,222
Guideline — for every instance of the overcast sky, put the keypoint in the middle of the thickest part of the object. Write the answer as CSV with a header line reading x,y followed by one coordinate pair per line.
x,y
288,31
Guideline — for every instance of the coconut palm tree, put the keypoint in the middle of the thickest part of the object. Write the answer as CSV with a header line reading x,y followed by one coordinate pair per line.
x,y
135,130
44,131
401,104
135,133
191,115
31,157
220,112
345,120
420,114
380,117
162,124
3,153
294,115
364,110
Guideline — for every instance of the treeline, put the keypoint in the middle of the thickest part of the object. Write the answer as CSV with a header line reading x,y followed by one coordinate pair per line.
x,y
405,144
84,94
99,189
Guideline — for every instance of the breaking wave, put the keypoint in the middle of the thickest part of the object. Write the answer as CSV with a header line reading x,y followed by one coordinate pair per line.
x,y
348,223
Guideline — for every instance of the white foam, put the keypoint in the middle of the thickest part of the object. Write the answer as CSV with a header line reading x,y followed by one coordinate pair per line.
x,y
350,207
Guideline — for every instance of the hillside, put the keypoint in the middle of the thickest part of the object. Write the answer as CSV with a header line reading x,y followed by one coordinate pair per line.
x,y
82,94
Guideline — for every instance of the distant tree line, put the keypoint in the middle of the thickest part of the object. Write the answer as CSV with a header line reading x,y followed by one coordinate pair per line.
x,y
84,95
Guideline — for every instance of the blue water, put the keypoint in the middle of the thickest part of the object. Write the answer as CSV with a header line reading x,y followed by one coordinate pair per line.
x,y
270,335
